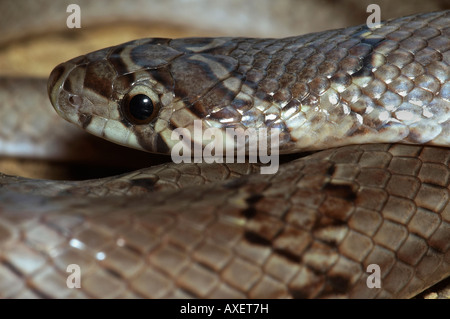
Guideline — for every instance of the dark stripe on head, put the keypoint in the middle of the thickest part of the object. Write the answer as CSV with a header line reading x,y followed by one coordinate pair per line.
x,y
195,77
153,56
99,76
75,78
163,77
116,60
216,46
217,99
122,84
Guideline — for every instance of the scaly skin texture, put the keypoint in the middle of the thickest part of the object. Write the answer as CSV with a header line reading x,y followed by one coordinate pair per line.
x,y
326,89
308,231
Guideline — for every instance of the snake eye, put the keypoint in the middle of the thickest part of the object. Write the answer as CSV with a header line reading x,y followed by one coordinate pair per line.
x,y
139,109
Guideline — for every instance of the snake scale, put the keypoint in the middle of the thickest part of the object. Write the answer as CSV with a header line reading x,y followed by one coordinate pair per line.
x,y
377,99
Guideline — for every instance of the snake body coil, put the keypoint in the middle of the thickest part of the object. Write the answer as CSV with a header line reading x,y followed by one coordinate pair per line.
x,y
310,230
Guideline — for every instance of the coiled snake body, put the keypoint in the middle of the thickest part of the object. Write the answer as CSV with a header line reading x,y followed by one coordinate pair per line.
x,y
224,230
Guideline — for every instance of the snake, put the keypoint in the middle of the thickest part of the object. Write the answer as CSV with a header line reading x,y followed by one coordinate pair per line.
x,y
369,106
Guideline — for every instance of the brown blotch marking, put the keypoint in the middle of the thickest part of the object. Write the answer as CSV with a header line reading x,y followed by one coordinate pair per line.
x,y
366,68
98,78
345,192
298,294
336,285
330,171
309,290
199,109
326,221
288,255
147,183
367,65
256,239
250,211
336,208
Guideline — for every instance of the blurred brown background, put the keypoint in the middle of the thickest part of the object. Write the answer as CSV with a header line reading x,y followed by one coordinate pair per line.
x,y
35,38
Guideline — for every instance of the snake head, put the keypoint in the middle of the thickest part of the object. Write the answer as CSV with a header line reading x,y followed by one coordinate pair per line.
x,y
122,93
137,93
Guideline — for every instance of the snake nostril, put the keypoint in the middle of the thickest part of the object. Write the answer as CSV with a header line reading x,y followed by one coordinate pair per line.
x,y
75,100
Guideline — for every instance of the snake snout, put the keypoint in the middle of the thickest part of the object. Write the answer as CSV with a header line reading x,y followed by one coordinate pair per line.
x,y
57,89
53,79
54,85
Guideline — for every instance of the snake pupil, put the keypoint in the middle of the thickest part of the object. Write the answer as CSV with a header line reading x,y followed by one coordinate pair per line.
x,y
141,107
